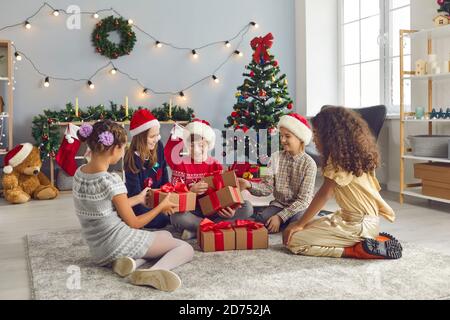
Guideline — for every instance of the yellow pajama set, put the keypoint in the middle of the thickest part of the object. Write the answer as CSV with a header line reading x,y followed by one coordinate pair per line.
x,y
360,207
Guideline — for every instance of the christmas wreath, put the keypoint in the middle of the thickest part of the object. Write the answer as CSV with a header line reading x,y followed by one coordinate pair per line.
x,y
110,49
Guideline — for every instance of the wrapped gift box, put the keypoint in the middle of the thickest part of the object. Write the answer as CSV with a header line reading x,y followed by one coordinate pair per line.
x,y
218,180
178,194
214,201
250,235
213,237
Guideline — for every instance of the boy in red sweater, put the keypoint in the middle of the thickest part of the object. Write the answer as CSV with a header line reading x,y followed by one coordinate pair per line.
x,y
199,138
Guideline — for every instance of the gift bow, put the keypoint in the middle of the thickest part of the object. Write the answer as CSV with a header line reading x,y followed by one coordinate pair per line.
x,y
179,187
249,225
217,180
260,45
207,225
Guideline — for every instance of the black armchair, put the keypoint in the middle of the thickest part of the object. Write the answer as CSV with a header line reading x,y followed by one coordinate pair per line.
x,y
374,116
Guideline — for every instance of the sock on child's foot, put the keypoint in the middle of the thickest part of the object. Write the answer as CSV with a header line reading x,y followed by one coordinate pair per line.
x,y
188,235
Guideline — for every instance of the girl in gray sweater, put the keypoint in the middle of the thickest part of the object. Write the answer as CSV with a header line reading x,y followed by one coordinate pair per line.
x,y
109,225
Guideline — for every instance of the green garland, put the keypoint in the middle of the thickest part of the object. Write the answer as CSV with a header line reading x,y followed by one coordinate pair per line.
x,y
107,48
46,128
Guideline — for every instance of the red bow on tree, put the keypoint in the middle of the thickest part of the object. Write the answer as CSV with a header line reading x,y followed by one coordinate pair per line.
x,y
261,45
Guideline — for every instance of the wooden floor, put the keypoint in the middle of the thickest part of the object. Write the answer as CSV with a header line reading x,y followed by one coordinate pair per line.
x,y
418,221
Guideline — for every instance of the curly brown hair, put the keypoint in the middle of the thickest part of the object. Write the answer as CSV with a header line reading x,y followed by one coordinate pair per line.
x,y
345,139
119,133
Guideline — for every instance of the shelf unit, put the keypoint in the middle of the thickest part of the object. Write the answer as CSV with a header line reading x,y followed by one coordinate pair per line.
x,y
415,189
123,124
6,81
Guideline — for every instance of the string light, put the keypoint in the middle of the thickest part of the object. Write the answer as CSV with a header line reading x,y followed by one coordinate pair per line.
x,y
182,95
145,92
27,25
158,44
254,24
130,21
239,53
216,80
95,16
113,71
227,44
18,56
47,82
91,85
56,13
194,54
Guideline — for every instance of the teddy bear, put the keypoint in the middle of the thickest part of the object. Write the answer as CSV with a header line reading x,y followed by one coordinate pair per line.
x,y
23,179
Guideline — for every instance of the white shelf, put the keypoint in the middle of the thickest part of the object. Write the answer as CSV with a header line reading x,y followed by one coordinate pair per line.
x,y
432,33
411,157
4,79
417,192
441,76
427,120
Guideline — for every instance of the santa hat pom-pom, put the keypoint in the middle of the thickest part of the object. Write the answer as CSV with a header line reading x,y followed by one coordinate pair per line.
x,y
8,170
69,139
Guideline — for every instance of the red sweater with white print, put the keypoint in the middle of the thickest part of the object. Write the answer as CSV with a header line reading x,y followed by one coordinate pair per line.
x,y
184,168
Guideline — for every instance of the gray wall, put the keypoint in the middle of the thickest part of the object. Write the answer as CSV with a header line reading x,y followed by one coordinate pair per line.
x,y
62,52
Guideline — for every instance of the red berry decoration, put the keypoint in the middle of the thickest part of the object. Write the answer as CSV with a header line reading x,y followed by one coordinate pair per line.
x,y
290,106
245,129
262,93
50,121
45,137
275,63
252,74
234,114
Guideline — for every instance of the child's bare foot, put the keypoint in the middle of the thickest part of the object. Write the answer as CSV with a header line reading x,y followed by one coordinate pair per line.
x,y
124,266
163,280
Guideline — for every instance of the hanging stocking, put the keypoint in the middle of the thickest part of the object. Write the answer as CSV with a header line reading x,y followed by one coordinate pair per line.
x,y
68,150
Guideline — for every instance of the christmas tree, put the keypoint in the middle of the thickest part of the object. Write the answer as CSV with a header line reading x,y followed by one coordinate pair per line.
x,y
263,97
444,6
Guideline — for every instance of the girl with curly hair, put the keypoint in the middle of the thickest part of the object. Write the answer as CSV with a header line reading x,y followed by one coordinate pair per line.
x,y
350,156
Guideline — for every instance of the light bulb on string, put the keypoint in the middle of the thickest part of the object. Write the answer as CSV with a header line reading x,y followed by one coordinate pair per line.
x,y
113,71
130,21
216,80
254,24
27,25
239,53
95,15
145,92
227,44
47,82
18,56
56,13
182,95
91,85
158,44
194,54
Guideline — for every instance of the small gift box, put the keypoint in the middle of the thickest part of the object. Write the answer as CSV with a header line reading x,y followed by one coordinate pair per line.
x,y
250,235
214,237
218,180
243,168
179,194
214,200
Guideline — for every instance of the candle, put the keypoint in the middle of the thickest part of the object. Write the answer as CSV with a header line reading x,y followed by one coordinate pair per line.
x,y
126,106
170,109
76,107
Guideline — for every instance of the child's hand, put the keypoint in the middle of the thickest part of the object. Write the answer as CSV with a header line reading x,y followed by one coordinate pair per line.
x,y
274,223
143,196
166,206
290,231
199,187
226,213
244,184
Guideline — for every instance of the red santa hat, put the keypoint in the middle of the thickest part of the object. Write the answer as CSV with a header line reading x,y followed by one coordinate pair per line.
x,y
201,128
16,156
142,121
298,125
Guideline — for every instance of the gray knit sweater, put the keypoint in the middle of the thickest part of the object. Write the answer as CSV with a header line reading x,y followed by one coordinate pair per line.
x,y
107,236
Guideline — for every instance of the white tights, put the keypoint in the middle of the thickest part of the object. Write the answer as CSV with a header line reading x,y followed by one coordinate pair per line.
x,y
171,252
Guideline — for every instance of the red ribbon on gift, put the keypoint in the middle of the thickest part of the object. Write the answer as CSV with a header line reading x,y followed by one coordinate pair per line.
x,y
250,226
207,225
217,179
261,45
179,188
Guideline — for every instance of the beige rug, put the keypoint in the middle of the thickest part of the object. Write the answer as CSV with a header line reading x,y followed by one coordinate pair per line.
x,y
60,269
